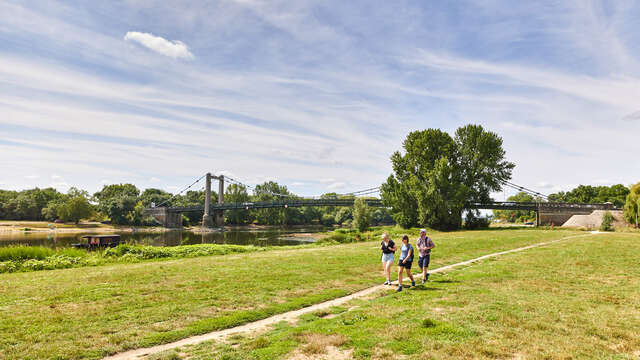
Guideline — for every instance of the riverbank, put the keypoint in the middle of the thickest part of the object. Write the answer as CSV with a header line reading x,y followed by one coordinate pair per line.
x,y
11,226
87,313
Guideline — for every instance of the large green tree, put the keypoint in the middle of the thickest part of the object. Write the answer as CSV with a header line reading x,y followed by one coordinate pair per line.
x,y
438,175
632,205
75,209
118,202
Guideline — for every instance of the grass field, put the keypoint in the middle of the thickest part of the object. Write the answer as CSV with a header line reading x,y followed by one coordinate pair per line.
x,y
576,299
91,312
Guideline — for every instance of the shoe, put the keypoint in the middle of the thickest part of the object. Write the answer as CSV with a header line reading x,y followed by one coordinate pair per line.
x,y
427,278
423,280
399,288
387,283
413,283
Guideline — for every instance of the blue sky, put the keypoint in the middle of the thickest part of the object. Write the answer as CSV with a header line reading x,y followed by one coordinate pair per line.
x,y
314,95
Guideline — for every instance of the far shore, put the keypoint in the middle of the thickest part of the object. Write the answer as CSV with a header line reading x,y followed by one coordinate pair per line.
x,y
20,226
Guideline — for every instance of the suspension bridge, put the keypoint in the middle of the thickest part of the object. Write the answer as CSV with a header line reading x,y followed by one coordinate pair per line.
x,y
547,212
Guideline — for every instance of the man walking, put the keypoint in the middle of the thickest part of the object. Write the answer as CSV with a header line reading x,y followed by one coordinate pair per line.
x,y
424,245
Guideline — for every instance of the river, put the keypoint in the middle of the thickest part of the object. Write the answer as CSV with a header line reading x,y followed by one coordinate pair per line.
x,y
258,237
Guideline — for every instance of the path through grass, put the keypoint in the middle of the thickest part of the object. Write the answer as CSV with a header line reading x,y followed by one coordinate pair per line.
x,y
576,299
92,312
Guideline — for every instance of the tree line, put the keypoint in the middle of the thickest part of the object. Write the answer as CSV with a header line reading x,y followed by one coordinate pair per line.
x,y
124,204
584,194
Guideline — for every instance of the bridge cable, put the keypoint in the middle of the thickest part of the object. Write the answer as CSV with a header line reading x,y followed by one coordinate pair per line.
x,y
183,190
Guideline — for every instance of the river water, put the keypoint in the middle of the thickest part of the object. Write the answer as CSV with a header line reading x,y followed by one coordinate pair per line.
x,y
261,237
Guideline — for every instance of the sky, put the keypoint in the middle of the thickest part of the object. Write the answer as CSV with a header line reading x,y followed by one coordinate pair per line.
x,y
313,95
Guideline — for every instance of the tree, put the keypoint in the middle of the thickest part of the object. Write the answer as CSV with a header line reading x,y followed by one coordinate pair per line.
x,y
361,214
343,214
118,202
271,191
517,215
75,209
632,205
615,194
236,194
155,197
607,222
438,176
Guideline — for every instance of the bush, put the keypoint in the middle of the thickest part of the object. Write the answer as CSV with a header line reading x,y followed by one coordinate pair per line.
x,y
607,222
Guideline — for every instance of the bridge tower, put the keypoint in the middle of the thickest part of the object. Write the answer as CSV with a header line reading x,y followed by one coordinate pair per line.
x,y
207,219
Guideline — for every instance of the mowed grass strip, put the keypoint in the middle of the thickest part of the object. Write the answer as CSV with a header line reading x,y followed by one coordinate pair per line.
x,y
570,300
92,312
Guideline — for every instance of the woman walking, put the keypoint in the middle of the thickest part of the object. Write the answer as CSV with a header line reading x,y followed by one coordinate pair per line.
x,y
406,259
388,247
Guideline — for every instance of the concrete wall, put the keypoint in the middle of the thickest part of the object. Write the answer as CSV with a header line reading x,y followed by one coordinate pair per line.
x,y
172,220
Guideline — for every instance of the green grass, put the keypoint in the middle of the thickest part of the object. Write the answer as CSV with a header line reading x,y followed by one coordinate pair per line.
x,y
576,299
87,313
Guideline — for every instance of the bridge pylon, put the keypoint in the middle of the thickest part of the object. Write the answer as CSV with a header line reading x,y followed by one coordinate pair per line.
x,y
207,218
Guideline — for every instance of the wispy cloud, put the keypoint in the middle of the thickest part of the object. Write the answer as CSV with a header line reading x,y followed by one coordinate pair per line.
x,y
175,49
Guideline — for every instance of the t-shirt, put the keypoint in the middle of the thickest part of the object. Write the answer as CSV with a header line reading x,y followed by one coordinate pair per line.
x,y
424,243
404,251
386,248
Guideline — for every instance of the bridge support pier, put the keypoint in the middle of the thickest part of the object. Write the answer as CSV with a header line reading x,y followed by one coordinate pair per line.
x,y
207,220
168,219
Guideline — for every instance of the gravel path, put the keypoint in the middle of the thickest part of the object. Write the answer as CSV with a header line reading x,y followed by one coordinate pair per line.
x,y
291,316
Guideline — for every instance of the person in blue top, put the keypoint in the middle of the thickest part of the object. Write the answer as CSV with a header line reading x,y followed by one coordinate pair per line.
x,y
406,259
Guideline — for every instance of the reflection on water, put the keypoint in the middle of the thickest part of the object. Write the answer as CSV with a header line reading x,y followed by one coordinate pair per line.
x,y
267,237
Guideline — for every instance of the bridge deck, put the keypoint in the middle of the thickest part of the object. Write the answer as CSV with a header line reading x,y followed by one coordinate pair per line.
x,y
495,205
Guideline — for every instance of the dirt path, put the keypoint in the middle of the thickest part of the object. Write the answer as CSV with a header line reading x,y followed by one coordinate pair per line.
x,y
293,315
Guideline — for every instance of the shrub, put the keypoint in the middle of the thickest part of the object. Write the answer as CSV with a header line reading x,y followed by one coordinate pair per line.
x,y
607,222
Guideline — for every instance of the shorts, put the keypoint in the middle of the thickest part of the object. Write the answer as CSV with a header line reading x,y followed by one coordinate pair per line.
x,y
423,261
406,265
387,257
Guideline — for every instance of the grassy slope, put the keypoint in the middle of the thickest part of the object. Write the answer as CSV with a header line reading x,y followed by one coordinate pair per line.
x,y
91,312
571,300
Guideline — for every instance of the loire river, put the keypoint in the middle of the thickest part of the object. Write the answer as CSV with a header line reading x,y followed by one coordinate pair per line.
x,y
257,237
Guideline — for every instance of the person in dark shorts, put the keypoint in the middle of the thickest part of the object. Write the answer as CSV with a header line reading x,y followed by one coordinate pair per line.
x,y
424,245
406,259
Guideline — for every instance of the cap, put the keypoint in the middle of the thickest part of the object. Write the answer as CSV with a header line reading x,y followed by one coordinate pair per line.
x,y
423,230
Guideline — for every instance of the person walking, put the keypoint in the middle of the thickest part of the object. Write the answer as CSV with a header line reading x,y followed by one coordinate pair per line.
x,y
424,245
388,248
406,259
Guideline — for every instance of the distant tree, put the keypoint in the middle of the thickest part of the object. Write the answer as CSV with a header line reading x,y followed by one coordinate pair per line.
x,y
343,214
193,198
517,215
607,222
615,194
155,197
438,175
361,214
236,194
632,205
118,202
75,209
271,191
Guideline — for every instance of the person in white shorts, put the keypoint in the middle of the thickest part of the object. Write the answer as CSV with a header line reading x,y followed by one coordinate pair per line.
x,y
388,248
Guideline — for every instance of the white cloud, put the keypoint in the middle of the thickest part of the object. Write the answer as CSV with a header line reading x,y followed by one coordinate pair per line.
x,y
154,180
32,177
297,183
175,49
